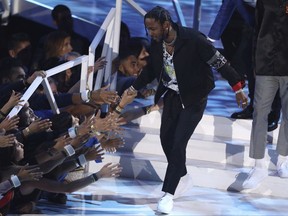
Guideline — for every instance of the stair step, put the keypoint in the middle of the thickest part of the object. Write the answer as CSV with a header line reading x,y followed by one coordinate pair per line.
x,y
217,154
202,147
204,174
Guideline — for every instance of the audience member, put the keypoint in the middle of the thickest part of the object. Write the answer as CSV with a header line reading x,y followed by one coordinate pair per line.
x,y
62,18
7,186
19,46
131,61
13,78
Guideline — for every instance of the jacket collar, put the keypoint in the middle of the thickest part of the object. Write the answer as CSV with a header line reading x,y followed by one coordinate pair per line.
x,y
182,35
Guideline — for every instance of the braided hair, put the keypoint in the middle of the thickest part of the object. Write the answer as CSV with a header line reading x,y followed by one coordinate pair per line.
x,y
159,14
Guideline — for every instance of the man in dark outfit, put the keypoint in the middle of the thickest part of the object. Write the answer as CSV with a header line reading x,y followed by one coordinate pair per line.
x,y
181,61
271,56
234,24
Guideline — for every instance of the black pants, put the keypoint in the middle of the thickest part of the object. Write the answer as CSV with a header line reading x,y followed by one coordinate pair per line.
x,y
177,126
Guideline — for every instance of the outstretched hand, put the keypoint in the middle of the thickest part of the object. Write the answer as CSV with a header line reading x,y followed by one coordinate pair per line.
x,y
7,140
127,97
39,125
103,95
10,123
94,153
27,173
112,144
109,171
40,73
14,100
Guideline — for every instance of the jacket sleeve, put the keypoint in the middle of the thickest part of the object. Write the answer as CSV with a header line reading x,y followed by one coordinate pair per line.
x,y
5,186
145,77
209,54
219,63
222,19
259,11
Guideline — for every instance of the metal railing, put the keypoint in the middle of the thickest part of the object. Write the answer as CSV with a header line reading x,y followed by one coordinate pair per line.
x,y
83,60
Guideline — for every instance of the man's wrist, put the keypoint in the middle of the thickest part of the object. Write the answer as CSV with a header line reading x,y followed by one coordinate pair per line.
x,y
239,91
95,177
26,132
118,109
3,113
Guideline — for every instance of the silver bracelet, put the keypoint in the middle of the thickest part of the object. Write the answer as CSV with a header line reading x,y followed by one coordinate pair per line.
x,y
69,150
81,160
72,132
15,181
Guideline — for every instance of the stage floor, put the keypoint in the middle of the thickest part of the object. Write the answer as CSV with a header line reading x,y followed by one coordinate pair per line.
x,y
134,197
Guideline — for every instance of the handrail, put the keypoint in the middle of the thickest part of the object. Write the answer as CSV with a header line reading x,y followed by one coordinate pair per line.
x,y
110,48
179,13
197,14
140,10
35,84
98,37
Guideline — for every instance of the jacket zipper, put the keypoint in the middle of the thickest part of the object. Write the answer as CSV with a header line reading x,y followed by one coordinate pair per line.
x,y
183,106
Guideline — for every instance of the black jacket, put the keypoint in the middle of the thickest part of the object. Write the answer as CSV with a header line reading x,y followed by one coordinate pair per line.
x,y
271,54
194,75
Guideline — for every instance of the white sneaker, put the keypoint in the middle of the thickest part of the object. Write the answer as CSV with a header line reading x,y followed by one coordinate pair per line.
x,y
165,205
282,169
255,177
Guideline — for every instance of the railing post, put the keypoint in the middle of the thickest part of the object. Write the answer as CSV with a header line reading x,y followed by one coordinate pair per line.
x,y
140,10
50,96
117,28
179,13
197,14
105,52
84,75
95,43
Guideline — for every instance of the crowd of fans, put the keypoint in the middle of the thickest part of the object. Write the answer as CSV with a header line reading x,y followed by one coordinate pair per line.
x,y
39,148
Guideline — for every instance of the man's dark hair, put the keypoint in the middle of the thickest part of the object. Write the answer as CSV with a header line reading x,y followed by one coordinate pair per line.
x,y
61,123
159,14
137,43
16,39
7,65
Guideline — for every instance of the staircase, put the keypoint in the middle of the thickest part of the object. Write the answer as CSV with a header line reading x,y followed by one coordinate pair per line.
x,y
217,154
